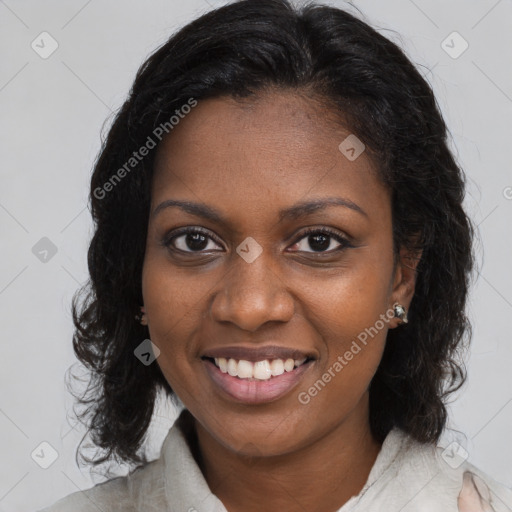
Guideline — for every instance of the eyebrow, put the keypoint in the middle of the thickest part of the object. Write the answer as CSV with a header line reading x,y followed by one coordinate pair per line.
x,y
301,209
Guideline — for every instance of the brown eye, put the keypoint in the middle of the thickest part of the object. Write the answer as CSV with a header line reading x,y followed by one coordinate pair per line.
x,y
191,240
321,240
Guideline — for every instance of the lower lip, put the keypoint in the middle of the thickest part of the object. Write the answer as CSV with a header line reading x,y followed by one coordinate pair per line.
x,y
256,391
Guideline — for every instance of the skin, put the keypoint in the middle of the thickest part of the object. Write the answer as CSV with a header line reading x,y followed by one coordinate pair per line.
x,y
249,160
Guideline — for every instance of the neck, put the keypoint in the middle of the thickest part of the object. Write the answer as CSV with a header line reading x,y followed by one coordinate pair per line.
x,y
320,477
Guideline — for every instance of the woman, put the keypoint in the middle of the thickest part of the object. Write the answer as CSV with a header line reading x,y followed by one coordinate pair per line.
x,y
277,210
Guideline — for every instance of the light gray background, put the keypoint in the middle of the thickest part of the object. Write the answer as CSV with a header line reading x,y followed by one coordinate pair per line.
x,y
52,111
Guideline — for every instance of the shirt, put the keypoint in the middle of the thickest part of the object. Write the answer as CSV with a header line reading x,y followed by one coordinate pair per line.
x,y
407,476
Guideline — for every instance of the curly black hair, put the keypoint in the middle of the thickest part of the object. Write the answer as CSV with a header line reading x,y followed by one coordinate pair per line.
x,y
243,49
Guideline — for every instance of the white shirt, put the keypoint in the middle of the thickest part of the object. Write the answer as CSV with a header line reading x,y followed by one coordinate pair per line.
x,y
407,476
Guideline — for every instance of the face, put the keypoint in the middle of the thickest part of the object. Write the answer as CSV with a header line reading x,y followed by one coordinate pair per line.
x,y
266,245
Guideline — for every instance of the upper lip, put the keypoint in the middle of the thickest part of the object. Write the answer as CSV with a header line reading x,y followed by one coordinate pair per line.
x,y
257,354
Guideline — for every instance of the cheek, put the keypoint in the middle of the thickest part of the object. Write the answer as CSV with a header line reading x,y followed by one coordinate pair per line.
x,y
173,296
168,305
351,314
351,301
176,302
173,321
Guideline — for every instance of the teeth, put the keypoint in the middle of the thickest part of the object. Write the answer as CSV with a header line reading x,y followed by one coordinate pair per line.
x,y
232,368
222,363
289,365
277,367
260,370
245,369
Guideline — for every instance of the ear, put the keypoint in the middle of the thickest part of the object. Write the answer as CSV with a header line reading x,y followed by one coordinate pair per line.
x,y
404,281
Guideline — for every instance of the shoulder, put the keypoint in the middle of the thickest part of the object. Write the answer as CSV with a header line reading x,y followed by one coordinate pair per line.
x,y
142,489
151,488
444,477
480,492
107,496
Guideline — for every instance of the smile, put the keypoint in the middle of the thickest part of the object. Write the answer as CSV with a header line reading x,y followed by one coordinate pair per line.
x,y
255,382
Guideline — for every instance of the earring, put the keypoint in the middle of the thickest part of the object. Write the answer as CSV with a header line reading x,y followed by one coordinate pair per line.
x,y
400,312
142,317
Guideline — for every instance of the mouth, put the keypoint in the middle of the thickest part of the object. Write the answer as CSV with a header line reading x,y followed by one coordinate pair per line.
x,y
256,378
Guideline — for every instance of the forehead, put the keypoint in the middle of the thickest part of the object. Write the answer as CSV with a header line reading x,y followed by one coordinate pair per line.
x,y
280,124
271,150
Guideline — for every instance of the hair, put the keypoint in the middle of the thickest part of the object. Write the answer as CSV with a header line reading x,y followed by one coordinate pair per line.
x,y
242,50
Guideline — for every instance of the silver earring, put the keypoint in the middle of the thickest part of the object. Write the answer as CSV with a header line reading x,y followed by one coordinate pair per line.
x,y
400,312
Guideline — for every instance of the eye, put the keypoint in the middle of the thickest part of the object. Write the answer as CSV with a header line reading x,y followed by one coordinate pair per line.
x,y
321,240
191,240
198,240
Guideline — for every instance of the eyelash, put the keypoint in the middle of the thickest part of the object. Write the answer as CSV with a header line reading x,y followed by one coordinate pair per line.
x,y
326,231
167,242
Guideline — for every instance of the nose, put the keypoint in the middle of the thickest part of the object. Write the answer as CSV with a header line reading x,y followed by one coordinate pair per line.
x,y
251,295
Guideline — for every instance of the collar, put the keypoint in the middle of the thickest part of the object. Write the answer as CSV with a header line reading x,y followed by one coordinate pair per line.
x,y
185,485
187,489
